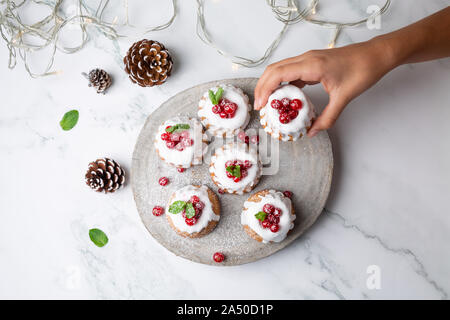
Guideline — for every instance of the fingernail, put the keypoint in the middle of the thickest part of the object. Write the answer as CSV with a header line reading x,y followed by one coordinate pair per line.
x,y
257,104
312,133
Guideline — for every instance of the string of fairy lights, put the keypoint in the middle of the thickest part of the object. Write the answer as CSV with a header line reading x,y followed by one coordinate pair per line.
x,y
49,29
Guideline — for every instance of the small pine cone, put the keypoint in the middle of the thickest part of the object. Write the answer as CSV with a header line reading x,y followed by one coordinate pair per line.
x,y
105,175
99,79
148,63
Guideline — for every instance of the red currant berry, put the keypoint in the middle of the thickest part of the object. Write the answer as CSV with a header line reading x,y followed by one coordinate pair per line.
x,y
268,208
181,170
276,104
187,142
218,257
244,173
223,102
194,199
247,139
296,104
266,223
288,194
274,228
165,136
230,108
284,118
163,181
285,102
198,212
275,220
157,211
236,179
229,175
254,139
175,137
216,109
179,147
231,115
242,135
170,144
278,212
223,115
221,191
247,164
185,134
239,163
191,221
200,205
228,163
168,127
293,114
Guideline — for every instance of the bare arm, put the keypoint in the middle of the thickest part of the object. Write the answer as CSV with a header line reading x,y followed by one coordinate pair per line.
x,y
348,71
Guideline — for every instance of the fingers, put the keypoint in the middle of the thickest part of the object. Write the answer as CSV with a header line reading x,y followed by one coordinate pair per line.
x,y
329,115
274,75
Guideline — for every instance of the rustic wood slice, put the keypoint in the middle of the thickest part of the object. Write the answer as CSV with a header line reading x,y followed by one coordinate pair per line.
x,y
305,167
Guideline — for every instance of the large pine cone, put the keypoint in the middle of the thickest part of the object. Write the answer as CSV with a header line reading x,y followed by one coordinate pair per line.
x,y
148,63
99,79
105,175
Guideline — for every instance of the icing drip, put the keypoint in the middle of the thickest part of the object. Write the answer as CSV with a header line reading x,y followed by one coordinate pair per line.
x,y
235,151
297,127
277,199
184,194
190,155
217,126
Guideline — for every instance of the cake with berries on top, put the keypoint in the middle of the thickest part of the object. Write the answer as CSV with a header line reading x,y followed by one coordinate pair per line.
x,y
181,142
288,114
194,211
268,216
235,168
224,110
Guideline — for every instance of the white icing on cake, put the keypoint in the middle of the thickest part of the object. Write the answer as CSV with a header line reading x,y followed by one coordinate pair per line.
x,y
217,126
184,194
269,117
235,151
190,155
277,199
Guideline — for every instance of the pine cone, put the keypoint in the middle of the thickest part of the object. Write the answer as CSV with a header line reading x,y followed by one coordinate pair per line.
x,y
105,175
148,63
99,79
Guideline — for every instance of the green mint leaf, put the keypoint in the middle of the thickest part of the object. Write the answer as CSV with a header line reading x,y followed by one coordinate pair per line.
x,y
260,215
212,97
177,207
182,127
98,237
190,211
171,129
178,127
218,94
69,120
237,171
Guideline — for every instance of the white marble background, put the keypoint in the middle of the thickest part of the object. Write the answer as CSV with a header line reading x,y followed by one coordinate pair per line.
x,y
388,205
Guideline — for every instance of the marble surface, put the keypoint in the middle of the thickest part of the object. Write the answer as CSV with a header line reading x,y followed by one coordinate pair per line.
x,y
387,208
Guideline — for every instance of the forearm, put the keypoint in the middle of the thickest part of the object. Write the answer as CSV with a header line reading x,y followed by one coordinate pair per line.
x,y
424,40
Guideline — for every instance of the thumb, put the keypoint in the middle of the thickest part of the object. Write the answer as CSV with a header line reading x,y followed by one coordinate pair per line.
x,y
328,116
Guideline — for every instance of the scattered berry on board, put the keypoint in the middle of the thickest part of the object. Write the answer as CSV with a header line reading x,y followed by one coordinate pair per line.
x,y
218,257
163,181
157,211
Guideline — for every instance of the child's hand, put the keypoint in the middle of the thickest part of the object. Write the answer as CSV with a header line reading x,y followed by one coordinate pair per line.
x,y
344,73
